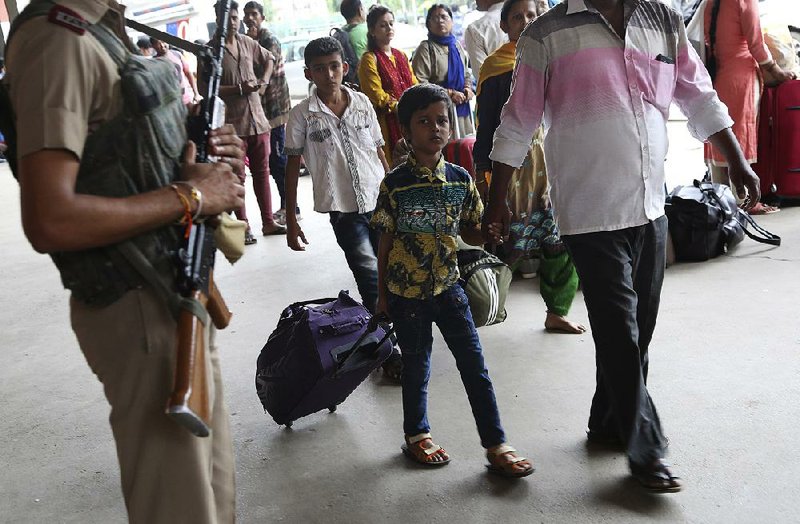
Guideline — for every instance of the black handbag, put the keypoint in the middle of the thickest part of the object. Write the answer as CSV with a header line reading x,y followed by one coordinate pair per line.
x,y
704,221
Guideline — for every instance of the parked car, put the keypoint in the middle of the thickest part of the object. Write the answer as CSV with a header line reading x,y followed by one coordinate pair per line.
x,y
292,48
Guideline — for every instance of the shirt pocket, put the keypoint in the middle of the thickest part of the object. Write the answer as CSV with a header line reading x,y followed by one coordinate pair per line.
x,y
658,83
362,128
319,142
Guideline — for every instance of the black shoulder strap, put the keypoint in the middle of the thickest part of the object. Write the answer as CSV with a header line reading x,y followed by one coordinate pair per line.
x,y
8,128
761,234
110,42
711,59
7,118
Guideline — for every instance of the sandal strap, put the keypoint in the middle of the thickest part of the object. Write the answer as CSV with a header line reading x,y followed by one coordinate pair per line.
x,y
431,450
417,438
502,449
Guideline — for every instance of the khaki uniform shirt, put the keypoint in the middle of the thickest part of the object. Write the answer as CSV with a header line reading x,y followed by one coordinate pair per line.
x,y
244,112
63,84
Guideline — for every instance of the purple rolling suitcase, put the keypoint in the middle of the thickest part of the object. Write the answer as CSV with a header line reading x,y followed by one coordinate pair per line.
x,y
319,353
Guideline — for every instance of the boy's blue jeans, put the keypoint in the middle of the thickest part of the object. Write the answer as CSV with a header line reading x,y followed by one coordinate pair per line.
x,y
413,319
360,245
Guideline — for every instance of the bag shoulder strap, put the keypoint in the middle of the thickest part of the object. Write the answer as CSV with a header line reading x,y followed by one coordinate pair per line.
x,y
762,235
486,261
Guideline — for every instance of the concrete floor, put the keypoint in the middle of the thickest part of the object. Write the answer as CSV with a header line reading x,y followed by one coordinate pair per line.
x,y
724,375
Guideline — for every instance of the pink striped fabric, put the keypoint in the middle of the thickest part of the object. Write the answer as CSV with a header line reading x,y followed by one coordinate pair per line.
x,y
604,101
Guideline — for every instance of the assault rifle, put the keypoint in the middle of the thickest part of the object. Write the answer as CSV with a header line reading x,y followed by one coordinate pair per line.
x,y
189,402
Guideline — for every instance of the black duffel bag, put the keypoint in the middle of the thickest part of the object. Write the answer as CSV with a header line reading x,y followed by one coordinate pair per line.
x,y
704,222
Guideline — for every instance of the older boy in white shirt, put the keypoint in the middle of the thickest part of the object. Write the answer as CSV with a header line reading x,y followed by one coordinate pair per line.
x,y
337,132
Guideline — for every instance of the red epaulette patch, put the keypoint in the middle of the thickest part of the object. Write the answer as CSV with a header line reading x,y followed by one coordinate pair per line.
x,y
68,18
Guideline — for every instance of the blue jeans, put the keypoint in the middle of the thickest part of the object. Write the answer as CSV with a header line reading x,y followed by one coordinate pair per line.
x,y
360,245
413,319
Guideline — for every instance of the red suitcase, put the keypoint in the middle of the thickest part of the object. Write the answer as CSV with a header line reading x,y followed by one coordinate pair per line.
x,y
778,164
459,152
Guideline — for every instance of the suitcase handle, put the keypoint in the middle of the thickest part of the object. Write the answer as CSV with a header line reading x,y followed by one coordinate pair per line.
x,y
343,358
342,293
292,308
312,301
342,328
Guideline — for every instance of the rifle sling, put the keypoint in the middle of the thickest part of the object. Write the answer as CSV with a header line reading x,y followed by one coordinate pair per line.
x,y
174,301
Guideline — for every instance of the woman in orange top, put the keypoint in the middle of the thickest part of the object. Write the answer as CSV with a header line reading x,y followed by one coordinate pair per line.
x,y
743,64
384,73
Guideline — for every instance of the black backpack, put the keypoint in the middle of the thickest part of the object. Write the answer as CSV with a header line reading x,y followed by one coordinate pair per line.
x,y
349,56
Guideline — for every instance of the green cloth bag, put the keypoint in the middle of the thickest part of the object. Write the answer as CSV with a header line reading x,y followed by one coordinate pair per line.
x,y
485,279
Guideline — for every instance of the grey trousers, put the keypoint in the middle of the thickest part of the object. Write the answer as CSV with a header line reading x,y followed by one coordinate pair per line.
x,y
621,273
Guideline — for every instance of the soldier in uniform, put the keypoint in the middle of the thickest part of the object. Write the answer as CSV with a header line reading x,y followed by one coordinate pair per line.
x,y
101,166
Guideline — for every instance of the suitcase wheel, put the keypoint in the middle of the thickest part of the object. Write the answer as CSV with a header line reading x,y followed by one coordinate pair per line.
x,y
332,409
289,425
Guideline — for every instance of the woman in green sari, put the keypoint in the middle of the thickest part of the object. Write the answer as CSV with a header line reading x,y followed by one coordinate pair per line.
x,y
533,229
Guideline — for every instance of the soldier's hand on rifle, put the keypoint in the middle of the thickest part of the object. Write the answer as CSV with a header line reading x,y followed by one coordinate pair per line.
x,y
220,188
224,143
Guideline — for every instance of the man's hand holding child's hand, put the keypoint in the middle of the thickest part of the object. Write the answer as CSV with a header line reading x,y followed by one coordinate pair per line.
x,y
493,232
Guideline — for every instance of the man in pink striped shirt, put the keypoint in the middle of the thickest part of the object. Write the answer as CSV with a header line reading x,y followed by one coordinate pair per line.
x,y
601,75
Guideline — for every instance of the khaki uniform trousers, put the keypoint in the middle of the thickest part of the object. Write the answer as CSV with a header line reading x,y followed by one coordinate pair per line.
x,y
168,475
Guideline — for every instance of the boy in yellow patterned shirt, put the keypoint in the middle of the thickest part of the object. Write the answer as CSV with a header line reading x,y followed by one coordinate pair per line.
x,y
423,205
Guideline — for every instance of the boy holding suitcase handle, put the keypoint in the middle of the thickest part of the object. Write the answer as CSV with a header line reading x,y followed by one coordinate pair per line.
x,y
337,132
423,205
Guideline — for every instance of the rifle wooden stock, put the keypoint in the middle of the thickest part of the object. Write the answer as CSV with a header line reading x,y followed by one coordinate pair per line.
x,y
217,309
189,403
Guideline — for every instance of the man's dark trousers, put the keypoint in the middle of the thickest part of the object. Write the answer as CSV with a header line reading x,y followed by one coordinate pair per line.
x,y
621,273
278,159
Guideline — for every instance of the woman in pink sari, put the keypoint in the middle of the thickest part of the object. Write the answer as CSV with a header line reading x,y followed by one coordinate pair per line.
x,y
743,66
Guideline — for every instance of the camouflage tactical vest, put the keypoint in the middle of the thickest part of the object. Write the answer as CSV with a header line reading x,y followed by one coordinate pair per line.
x,y
137,151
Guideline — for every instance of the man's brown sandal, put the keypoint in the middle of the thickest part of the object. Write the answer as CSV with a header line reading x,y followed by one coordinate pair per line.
x,y
414,449
504,461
